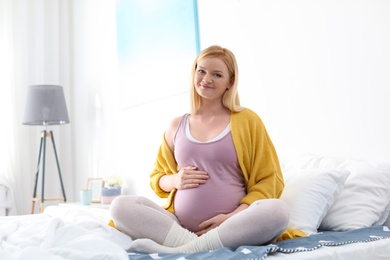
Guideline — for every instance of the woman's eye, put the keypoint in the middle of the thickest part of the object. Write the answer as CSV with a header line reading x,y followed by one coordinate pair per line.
x,y
201,71
218,75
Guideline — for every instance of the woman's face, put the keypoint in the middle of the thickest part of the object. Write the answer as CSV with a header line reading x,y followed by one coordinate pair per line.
x,y
211,78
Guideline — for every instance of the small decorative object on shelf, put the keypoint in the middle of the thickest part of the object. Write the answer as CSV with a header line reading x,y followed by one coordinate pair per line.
x,y
112,189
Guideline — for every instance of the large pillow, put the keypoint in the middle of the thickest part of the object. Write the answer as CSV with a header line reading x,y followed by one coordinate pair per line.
x,y
363,202
310,194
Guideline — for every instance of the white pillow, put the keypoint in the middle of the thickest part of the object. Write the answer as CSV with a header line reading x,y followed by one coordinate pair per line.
x,y
363,202
310,194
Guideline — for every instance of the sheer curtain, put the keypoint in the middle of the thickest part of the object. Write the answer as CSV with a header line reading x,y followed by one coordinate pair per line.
x,y
7,108
34,49
71,43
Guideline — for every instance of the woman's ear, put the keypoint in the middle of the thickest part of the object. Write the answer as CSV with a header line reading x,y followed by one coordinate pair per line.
x,y
232,79
230,83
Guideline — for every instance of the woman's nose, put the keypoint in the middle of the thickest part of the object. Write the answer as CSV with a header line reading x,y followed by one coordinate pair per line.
x,y
207,78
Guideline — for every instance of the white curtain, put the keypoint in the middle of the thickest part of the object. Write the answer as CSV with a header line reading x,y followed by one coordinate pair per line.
x,y
71,43
34,49
7,111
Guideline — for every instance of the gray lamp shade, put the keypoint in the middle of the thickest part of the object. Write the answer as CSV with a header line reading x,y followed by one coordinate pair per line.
x,y
45,105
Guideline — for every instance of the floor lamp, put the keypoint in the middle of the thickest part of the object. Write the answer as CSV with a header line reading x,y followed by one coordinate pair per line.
x,y
45,106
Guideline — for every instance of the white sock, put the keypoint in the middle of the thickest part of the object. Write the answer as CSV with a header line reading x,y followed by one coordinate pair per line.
x,y
178,236
208,241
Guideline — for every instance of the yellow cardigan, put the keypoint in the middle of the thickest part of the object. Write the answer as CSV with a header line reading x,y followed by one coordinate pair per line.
x,y
257,158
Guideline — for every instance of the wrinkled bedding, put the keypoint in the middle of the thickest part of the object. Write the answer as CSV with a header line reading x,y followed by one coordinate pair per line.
x,y
62,233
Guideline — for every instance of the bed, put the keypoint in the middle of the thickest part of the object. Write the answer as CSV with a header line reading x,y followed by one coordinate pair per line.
x,y
342,204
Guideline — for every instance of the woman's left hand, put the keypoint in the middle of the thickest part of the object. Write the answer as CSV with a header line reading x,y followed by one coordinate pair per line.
x,y
211,223
214,222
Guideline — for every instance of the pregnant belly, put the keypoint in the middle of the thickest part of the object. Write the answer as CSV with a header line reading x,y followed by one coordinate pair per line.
x,y
193,206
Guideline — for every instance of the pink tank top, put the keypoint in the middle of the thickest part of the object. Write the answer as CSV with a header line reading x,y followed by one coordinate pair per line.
x,y
223,190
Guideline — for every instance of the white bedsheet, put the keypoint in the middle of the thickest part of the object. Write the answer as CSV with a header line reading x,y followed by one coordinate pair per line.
x,y
62,233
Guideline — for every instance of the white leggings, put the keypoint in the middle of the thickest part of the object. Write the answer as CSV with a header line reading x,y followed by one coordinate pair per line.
x,y
262,222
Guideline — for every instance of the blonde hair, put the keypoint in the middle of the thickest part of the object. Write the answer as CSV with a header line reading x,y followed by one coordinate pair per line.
x,y
230,98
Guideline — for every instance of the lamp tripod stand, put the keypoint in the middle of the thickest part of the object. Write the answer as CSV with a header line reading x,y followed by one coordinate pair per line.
x,y
42,154
45,105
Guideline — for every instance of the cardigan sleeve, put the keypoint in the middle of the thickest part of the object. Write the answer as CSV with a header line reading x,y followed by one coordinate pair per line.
x,y
257,157
165,164
259,162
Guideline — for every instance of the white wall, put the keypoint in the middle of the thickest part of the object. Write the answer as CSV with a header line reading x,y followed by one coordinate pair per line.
x,y
317,72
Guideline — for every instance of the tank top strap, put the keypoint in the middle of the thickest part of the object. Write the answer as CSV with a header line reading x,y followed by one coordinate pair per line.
x,y
181,128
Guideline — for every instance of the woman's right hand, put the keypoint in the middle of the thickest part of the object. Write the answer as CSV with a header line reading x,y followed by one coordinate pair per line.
x,y
189,177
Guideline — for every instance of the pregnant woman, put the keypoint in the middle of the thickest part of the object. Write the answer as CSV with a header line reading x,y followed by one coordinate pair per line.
x,y
218,169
